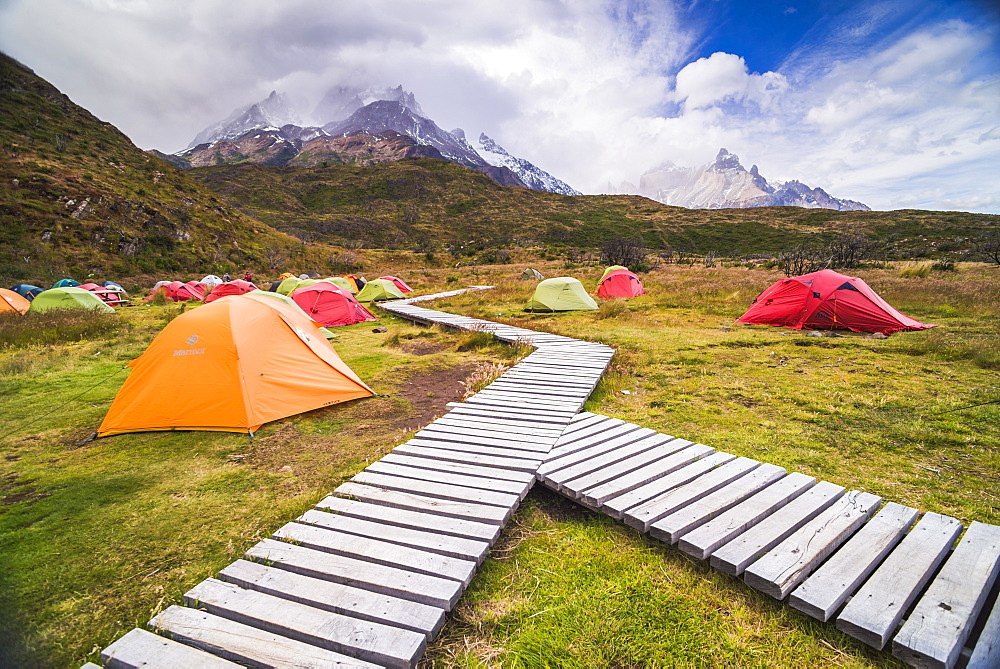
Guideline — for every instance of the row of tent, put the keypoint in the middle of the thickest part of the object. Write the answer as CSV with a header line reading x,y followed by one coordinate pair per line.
x,y
823,300
382,288
108,291
69,297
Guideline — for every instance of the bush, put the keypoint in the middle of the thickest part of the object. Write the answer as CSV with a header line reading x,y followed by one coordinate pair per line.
x,y
916,271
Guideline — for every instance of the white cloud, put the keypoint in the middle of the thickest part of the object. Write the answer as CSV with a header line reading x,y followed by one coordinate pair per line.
x,y
724,76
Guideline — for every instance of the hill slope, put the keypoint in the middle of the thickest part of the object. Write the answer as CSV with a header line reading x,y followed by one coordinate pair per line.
x,y
416,202
79,199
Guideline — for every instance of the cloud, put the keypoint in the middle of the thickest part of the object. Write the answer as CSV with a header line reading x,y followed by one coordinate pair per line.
x,y
724,76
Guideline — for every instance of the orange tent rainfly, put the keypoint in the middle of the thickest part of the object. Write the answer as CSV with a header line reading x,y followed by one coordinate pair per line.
x,y
620,283
237,287
231,366
826,300
11,301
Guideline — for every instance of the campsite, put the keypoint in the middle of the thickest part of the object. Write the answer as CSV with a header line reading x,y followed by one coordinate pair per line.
x,y
104,533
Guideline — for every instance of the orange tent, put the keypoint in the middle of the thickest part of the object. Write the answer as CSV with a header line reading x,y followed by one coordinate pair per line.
x,y
231,366
11,301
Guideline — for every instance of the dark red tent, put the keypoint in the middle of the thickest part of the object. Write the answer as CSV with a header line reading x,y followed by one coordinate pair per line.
x,y
175,291
403,288
620,283
237,287
327,304
108,295
826,300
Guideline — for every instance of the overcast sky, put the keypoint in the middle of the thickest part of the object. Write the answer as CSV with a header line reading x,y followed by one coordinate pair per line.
x,y
895,103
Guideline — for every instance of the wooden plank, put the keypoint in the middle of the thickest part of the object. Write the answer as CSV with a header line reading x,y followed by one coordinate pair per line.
x,y
728,468
510,441
368,641
416,520
673,526
590,447
429,540
738,554
548,389
433,451
443,491
587,428
559,478
516,427
556,420
249,646
441,430
936,631
791,561
508,403
336,597
986,654
491,484
431,590
598,496
482,449
873,614
488,473
830,586
591,435
139,649
535,399
480,513
329,540
702,541
618,505
576,487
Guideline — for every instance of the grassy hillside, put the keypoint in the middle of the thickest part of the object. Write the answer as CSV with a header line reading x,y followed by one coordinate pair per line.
x,y
79,199
422,202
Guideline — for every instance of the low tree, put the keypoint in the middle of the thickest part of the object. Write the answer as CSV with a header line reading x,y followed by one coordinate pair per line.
x,y
629,253
988,246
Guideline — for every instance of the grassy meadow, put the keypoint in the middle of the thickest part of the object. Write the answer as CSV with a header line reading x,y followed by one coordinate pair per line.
x,y
97,536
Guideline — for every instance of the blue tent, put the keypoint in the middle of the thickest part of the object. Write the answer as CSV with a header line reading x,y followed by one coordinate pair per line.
x,y
26,290
111,284
65,283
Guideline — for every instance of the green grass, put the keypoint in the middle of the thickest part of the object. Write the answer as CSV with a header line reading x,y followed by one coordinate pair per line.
x,y
96,536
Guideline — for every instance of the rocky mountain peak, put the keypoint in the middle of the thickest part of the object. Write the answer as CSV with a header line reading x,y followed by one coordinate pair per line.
x,y
726,161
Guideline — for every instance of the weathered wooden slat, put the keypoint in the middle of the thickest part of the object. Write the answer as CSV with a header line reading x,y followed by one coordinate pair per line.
x,y
461,431
241,643
431,590
936,631
535,399
590,447
511,403
433,451
641,517
604,461
139,649
335,597
568,444
454,478
600,495
672,527
473,446
555,419
417,520
873,614
830,586
429,540
432,465
740,552
465,437
667,446
986,654
377,551
702,541
617,506
547,389
515,427
443,490
790,562
481,513
368,641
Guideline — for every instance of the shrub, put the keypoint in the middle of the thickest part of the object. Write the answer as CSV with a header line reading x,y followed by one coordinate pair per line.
x,y
916,271
613,309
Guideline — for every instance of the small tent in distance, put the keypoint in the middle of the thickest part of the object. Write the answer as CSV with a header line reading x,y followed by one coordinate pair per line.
x,y
620,283
531,274
237,287
379,289
27,291
231,366
330,305
612,268
827,300
175,291
402,285
561,293
69,297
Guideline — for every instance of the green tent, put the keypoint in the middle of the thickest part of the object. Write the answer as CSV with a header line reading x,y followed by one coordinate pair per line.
x,y
342,283
610,270
68,298
289,301
563,293
288,285
379,289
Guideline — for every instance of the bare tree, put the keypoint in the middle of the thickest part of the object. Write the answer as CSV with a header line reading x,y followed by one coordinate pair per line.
x,y
989,246
629,253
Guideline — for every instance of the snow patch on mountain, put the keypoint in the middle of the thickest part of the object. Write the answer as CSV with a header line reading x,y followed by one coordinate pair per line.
x,y
534,177
271,112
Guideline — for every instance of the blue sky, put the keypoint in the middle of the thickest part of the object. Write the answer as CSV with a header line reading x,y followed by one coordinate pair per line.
x,y
894,103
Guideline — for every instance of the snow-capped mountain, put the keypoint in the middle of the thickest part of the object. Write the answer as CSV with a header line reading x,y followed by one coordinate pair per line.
x,y
725,184
271,112
342,101
531,175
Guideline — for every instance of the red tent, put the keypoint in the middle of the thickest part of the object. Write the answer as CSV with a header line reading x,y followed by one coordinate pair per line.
x,y
620,283
108,295
327,304
175,291
237,287
403,288
826,300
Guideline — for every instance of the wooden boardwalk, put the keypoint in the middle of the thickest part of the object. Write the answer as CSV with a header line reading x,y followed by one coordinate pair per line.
x,y
838,555
367,577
